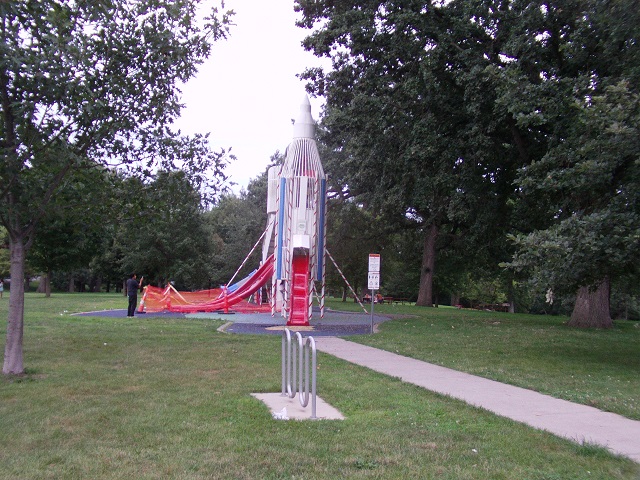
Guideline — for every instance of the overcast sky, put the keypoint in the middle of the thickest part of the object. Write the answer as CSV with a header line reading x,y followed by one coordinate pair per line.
x,y
247,92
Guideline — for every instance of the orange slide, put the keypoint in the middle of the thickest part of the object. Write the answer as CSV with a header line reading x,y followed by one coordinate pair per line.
x,y
157,299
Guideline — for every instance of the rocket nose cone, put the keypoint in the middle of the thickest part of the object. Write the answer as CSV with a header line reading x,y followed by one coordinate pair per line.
x,y
304,126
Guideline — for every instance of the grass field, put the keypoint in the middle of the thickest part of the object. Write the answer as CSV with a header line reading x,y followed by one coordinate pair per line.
x,y
600,368
170,398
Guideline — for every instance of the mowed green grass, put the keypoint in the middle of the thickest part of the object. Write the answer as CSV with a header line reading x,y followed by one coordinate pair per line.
x,y
170,398
600,368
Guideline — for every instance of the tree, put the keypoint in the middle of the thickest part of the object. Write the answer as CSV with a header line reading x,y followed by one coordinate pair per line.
x,y
438,107
353,231
89,83
352,234
162,231
594,177
579,89
72,231
410,108
235,225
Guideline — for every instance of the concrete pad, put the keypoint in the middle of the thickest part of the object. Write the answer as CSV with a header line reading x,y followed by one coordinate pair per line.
x,y
276,403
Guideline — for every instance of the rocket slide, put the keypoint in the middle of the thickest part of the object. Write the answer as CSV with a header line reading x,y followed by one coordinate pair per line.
x,y
296,207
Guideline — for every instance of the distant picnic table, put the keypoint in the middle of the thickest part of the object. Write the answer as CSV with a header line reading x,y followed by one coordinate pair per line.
x,y
494,307
380,299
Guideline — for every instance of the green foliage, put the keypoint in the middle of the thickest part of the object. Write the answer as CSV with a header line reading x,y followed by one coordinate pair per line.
x,y
352,234
573,85
70,233
234,225
161,234
95,83
411,114
593,176
400,275
84,84
435,110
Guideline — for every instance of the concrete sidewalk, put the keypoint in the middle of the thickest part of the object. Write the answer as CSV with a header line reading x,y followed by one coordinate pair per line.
x,y
575,422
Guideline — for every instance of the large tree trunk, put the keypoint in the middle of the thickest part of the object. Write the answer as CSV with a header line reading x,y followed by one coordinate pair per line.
x,y
97,284
13,360
511,297
45,285
592,307
455,299
425,295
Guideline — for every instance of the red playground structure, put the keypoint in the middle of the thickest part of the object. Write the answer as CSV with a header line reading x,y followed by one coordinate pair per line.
x,y
293,243
221,299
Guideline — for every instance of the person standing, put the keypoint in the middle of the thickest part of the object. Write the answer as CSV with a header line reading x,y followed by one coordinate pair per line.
x,y
1,287
132,292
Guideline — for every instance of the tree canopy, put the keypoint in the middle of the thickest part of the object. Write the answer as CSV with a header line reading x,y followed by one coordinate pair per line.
x,y
75,225
161,234
410,110
479,119
86,83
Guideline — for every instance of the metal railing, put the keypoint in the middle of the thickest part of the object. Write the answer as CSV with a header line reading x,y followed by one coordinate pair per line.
x,y
296,372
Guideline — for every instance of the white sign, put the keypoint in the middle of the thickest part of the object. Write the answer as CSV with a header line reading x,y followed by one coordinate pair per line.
x,y
374,281
374,263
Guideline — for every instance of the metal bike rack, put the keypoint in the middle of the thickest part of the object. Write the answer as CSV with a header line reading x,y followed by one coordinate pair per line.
x,y
296,373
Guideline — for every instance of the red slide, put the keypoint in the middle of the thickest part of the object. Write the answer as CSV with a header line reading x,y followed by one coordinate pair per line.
x,y
299,305
257,280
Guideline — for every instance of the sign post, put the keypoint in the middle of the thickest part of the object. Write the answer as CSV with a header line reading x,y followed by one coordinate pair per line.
x,y
374,279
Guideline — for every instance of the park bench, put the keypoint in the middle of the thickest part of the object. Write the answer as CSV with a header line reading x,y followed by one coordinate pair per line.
x,y
494,307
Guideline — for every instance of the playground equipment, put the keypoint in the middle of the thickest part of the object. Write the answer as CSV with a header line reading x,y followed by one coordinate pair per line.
x,y
294,242
220,299
290,367
296,232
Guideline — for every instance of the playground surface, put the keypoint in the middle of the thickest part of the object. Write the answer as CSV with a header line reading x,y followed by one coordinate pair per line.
x,y
333,324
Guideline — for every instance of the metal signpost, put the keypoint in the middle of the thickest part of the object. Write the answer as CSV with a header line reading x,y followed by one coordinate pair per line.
x,y
374,279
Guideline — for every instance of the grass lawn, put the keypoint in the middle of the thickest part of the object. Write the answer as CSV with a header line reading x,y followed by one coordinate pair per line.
x,y
600,368
154,397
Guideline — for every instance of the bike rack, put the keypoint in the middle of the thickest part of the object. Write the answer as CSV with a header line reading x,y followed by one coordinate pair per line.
x,y
291,367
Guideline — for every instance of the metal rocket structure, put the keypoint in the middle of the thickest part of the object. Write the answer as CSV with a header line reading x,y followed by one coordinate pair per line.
x,y
296,231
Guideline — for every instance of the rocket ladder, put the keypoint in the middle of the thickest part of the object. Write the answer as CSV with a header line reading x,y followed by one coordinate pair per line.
x,y
299,309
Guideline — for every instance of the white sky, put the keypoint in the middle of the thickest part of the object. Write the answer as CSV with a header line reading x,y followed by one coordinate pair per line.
x,y
247,92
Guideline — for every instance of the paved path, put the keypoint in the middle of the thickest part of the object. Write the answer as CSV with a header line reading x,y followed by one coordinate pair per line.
x,y
575,422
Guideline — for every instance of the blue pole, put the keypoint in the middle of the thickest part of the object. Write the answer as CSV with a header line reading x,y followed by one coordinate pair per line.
x,y
283,190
